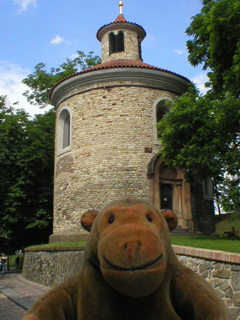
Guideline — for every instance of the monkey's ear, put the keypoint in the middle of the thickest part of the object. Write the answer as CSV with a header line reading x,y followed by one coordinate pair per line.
x,y
88,218
170,217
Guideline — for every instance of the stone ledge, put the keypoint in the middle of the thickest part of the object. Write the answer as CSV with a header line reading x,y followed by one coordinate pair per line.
x,y
208,254
70,236
56,248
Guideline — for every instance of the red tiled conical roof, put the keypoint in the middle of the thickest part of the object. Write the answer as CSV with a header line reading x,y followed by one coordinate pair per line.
x,y
121,63
125,63
120,18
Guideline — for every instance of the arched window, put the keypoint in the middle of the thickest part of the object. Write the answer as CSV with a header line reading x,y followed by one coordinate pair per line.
x,y
160,108
160,114
120,42
64,131
112,43
116,42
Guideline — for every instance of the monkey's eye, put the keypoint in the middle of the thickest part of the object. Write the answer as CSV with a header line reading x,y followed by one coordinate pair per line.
x,y
111,219
149,218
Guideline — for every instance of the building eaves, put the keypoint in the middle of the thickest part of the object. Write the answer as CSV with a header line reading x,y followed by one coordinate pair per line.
x,y
121,63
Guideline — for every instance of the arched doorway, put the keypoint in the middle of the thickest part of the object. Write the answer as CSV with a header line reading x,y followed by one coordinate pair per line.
x,y
169,190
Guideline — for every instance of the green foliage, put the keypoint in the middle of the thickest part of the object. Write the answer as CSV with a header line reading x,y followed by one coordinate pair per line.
x,y
216,43
27,158
41,81
202,133
26,176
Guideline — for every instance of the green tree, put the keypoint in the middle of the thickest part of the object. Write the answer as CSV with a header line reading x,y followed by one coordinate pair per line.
x,y
27,158
202,136
41,81
202,133
215,44
26,176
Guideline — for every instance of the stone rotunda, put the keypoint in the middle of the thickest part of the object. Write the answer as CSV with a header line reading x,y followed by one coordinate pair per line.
x,y
106,138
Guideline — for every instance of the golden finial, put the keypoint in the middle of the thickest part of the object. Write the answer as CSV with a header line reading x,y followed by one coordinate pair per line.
x,y
120,5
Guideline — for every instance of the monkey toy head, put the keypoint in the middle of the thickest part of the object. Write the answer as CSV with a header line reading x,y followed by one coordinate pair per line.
x,y
129,242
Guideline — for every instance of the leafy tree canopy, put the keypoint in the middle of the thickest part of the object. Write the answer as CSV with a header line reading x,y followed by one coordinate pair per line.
x,y
27,158
205,134
41,81
26,176
202,133
215,44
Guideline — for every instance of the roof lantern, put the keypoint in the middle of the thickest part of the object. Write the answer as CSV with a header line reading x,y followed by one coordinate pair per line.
x,y
121,39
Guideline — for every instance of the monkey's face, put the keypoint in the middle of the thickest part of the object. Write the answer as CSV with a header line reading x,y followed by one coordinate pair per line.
x,y
131,249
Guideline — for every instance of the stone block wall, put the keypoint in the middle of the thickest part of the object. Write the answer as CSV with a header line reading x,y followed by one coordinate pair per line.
x,y
221,269
111,130
51,267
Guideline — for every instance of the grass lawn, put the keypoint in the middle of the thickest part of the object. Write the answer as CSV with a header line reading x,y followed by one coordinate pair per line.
x,y
212,243
224,223
227,221
57,246
220,242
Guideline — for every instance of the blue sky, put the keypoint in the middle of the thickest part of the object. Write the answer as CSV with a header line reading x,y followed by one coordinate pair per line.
x,y
50,31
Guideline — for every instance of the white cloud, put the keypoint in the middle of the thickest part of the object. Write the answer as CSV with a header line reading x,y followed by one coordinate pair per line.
x,y
73,56
179,52
200,80
57,40
11,77
24,4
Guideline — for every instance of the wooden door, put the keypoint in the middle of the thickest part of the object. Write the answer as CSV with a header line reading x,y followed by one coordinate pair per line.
x,y
166,193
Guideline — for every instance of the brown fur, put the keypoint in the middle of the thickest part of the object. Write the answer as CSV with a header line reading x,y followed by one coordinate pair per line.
x,y
130,271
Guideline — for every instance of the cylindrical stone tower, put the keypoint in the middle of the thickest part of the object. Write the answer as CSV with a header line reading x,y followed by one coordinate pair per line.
x,y
106,133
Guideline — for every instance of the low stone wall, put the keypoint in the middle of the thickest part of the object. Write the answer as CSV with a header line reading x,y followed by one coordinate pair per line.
x,y
221,269
50,266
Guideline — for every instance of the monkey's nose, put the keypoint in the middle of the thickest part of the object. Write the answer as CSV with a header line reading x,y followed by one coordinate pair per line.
x,y
132,244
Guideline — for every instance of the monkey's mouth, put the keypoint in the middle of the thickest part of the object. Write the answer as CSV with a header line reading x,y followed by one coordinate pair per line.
x,y
132,269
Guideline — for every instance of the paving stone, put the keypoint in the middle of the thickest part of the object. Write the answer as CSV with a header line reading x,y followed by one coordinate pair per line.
x,y
10,310
13,286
